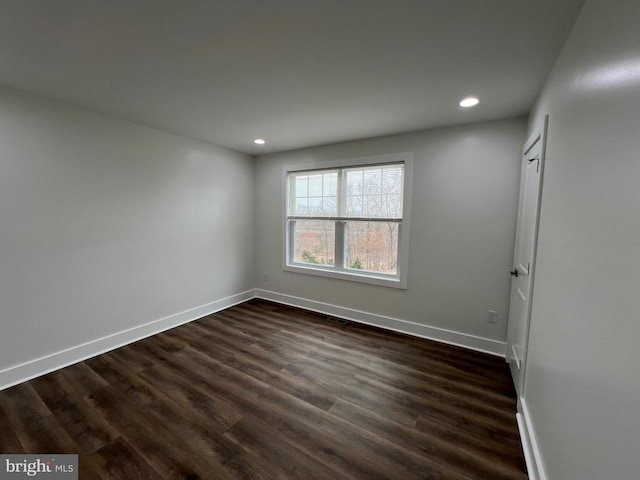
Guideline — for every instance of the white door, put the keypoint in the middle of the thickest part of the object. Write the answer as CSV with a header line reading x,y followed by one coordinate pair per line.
x,y
524,257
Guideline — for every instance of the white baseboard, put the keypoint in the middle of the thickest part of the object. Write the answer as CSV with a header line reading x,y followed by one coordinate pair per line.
x,y
450,337
40,366
529,442
55,361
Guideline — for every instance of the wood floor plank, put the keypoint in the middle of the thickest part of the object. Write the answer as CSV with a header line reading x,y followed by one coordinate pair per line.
x,y
267,441
228,458
44,435
32,422
300,388
501,450
473,460
117,461
22,403
151,440
133,359
490,417
372,457
183,391
9,442
83,424
266,391
83,378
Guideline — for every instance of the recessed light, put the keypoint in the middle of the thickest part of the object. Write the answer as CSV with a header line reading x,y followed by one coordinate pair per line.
x,y
259,141
469,102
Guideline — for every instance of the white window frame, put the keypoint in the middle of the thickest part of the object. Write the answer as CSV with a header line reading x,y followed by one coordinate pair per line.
x,y
396,281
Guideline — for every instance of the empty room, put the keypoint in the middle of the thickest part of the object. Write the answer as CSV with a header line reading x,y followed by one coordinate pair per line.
x,y
295,239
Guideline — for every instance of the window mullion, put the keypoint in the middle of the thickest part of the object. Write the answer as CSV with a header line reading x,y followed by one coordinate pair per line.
x,y
339,246
340,224
291,198
341,193
292,240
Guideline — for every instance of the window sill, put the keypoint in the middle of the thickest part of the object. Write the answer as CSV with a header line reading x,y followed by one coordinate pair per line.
x,y
369,278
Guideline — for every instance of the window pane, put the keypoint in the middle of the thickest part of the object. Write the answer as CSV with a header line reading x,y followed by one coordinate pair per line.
x,y
302,206
354,182
315,185
372,205
392,206
354,206
392,179
315,205
302,184
374,192
373,180
315,193
330,187
314,242
329,206
372,246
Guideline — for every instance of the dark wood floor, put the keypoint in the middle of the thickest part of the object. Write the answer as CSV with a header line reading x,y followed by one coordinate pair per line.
x,y
265,391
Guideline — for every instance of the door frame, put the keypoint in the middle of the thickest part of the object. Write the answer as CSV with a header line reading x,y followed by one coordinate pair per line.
x,y
518,373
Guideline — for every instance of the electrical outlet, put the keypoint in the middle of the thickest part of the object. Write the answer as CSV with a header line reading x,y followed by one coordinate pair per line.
x,y
493,316
265,277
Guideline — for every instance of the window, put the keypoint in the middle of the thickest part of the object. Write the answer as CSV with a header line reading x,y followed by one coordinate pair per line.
x,y
349,219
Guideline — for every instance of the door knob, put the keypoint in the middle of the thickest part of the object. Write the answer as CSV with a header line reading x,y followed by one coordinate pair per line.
x,y
514,272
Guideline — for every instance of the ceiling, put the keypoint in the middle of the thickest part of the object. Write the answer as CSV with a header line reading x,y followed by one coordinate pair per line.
x,y
295,72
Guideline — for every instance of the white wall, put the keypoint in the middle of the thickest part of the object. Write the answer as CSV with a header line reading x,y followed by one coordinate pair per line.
x,y
582,387
106,225
465,194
